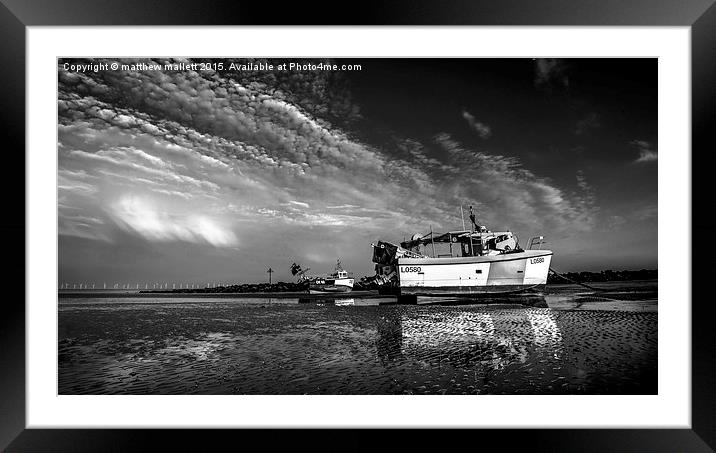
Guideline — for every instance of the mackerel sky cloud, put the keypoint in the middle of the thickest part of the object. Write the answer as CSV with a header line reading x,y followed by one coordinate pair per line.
x,y
215,175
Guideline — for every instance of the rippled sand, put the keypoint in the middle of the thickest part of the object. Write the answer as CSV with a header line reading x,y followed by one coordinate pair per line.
x,y
279,346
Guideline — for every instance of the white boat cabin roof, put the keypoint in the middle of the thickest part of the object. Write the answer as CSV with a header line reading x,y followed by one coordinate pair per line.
x,y
453,236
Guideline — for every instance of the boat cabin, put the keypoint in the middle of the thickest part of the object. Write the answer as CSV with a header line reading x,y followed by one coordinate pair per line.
x,y
339,272
462,243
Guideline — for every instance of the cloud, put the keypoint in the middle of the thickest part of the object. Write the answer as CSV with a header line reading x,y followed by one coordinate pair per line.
x,y
582,181
551,73
210,158
508,195
300,203
646,151
482,129
344,206
586,124
615,222
646,213
154,222
586,198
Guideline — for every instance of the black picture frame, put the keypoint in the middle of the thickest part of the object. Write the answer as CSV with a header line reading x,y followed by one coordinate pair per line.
x,y
700,15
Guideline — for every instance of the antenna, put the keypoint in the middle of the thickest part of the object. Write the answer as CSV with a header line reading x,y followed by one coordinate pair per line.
x,y
431,240
472,227
462,216
472,219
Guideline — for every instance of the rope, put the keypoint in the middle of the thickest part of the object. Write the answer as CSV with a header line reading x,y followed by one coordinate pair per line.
x,y
575,282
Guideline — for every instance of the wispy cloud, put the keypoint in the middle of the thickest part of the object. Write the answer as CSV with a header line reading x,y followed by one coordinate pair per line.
x,y
551,73
160,223
508,194
591,121
482,129
648,212
300,203
646,151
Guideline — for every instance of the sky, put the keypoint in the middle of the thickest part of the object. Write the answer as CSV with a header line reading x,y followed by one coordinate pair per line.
x,y
213,174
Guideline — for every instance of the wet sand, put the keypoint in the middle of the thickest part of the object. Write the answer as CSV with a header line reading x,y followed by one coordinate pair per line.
x,y
582,343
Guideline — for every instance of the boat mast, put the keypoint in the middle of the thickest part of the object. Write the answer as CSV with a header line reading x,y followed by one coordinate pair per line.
x,y
472,228
431,240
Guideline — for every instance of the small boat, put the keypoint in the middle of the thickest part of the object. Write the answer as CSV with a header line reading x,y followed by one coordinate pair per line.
x,y
467,263
339,281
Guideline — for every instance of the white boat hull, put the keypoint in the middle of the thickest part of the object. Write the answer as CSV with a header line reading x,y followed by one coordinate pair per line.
x,y
489,274
338,285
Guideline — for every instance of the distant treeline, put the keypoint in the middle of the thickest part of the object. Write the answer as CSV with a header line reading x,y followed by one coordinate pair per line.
x,y
604,276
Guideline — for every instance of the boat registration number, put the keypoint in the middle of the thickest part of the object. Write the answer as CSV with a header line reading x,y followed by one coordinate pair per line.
x,y
537,260
410,269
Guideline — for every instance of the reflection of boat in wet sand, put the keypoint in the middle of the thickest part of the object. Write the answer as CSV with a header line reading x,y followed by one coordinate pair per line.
x,y
465,262
492,339
329,299
344,302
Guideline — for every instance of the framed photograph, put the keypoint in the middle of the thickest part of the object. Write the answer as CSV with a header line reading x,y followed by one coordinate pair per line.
x,y
374,222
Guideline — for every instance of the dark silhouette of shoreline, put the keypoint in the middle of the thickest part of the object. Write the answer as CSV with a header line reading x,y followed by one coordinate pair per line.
x,y
604,276
365,283
279,287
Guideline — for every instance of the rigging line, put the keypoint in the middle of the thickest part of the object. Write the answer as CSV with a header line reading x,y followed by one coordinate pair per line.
x,y
575,282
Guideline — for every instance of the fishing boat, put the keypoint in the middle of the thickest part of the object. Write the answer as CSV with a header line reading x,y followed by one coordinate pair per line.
x,y
340,281
467,262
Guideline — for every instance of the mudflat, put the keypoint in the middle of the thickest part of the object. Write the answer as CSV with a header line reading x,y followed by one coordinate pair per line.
x,y
582,343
